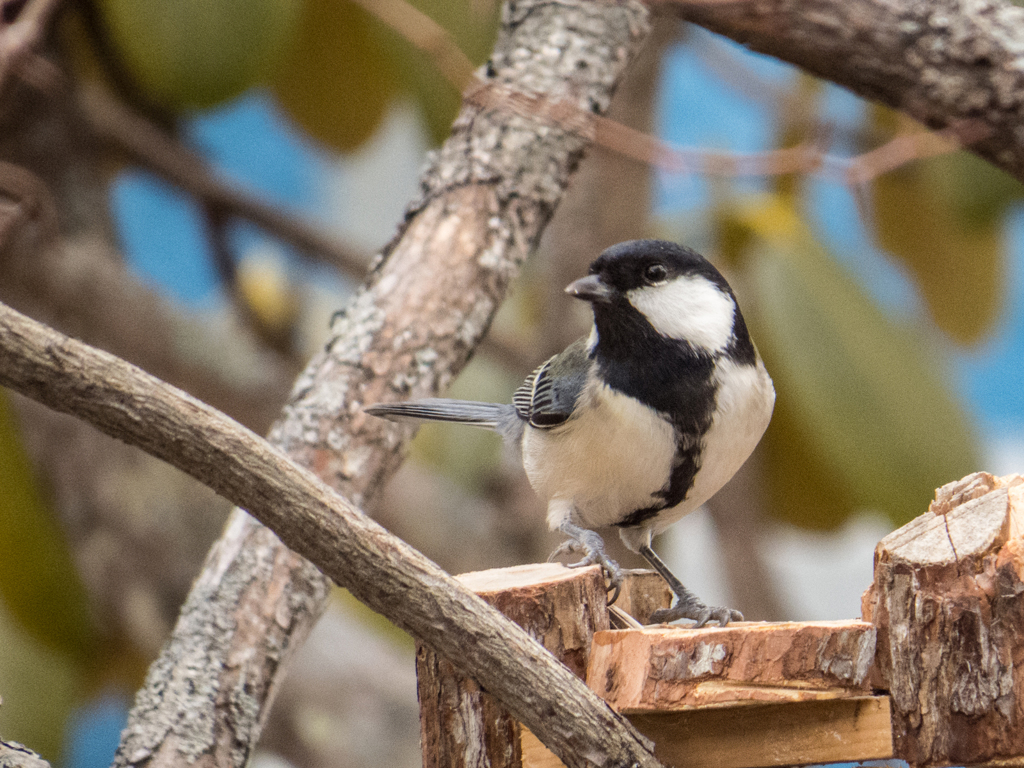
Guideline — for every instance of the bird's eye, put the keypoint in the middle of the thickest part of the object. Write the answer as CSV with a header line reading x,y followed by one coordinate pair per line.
x,y
655,273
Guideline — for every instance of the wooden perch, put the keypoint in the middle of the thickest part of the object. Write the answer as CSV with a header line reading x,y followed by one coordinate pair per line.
x,y
946,602
750,694
664,668
746,695
559,607
942,636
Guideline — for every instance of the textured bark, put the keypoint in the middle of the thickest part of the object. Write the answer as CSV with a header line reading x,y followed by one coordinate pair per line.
x,y
946,600
940,61
14,755
666,668
378,568
461,725
486,196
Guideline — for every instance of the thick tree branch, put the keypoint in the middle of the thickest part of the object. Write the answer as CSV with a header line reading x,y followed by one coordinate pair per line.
x,y
377,567
941,62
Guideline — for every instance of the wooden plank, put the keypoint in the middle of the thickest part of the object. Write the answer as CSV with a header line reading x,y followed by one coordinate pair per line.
x,y
757,736
670,668
535,754
771,734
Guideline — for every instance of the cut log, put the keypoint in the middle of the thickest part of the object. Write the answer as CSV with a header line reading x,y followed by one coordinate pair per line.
x,y
666,668
643,592
461,725
946,601
560,607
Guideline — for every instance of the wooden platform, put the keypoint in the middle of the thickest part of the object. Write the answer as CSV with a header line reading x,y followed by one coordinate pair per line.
x,y
933,674
840,730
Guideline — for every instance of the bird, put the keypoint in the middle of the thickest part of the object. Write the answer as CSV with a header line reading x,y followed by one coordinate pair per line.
x,y
640,422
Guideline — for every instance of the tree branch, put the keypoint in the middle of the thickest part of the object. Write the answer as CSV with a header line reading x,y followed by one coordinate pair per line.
x,y
377,567
124,130
15,755
941,62
21,36
485,199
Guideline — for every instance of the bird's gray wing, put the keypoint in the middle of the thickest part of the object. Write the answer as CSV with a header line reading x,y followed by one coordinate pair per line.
x,y
549,394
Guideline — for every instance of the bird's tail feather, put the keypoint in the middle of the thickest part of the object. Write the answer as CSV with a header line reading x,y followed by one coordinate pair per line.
x,y
487,415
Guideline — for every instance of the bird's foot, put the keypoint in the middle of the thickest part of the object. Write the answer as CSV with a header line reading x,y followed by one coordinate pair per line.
x,y
591,546
693,608
687,605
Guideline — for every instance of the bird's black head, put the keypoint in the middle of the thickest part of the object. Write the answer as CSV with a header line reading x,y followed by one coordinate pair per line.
x,y
637,264
646,288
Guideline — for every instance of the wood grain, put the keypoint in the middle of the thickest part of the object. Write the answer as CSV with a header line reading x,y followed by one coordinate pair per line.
x,y
771,734
669,668
946,601
462,725
756,736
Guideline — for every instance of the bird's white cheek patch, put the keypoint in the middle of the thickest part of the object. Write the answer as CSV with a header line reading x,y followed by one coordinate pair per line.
x,y
690,308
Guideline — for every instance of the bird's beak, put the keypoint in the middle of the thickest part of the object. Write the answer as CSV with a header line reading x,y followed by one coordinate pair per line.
x,y
590,288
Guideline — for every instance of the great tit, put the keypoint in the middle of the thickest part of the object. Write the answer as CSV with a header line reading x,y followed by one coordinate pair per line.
x,y
642,421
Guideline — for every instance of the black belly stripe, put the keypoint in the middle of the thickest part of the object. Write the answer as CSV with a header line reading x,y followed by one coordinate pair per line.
x,y
638,516
680,482
671,377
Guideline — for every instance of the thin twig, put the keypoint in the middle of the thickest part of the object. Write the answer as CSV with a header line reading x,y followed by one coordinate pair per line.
x,y
151,148
427,35
435,41
906,147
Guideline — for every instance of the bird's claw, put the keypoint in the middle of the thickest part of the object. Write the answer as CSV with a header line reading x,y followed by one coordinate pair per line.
x,y
697,611
567,547
593,554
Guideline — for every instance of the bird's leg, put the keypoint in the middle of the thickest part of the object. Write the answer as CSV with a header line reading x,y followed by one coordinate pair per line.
x,y
591,546
687,604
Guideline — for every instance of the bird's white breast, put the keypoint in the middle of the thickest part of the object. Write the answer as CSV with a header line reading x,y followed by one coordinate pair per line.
x,y
744,402
604,465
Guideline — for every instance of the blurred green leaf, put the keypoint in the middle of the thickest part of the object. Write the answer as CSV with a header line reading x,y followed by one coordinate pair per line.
x,y
437,101
473,32
345,68
804,488
978,190
40,688
195,53
943,218
39,584
862,403
339,76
